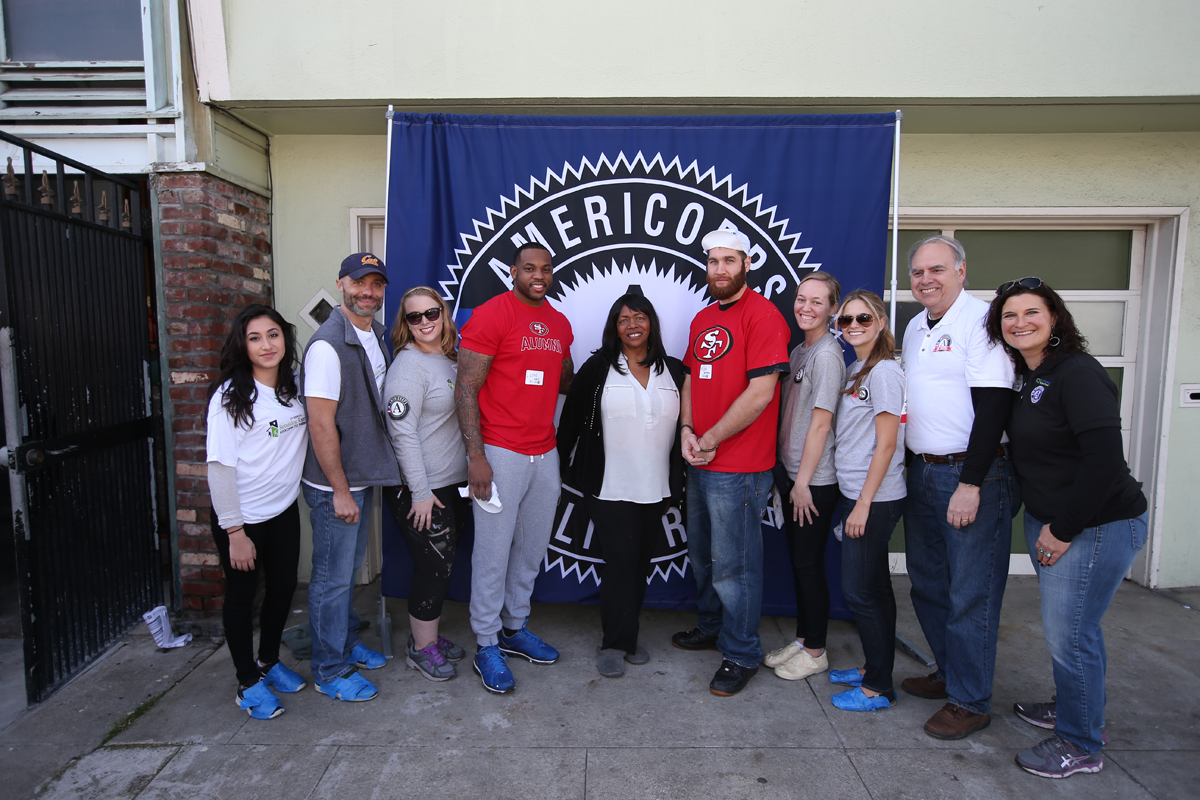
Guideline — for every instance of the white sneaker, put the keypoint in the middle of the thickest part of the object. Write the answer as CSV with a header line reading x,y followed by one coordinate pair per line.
x,y
783,654
802,665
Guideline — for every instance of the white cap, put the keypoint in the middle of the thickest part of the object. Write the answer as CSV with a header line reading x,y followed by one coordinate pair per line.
x,y
726,237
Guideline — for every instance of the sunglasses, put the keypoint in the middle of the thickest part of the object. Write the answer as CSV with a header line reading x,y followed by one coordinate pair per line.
x,y
862,319
1028,283
431,314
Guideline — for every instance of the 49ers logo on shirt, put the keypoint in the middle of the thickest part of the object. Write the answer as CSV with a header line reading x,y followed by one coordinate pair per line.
x,y
539,328
712,344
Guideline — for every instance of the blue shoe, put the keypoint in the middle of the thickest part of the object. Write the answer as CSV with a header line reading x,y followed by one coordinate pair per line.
x,y
364,657
450,651
352,688
857,700
846,677
527,646
282,679
258,701
491,666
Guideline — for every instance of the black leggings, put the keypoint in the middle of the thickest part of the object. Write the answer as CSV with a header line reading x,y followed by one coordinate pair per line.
x,y
432,549
277,552
626,534
807,546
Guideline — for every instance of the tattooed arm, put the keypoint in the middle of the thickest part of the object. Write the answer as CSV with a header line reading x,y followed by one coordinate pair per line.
x,y
568,375
472,372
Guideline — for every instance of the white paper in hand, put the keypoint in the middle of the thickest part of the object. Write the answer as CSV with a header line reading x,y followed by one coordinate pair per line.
x,y
492,506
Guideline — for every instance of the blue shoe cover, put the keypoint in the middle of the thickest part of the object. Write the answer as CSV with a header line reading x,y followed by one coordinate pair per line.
x,y
846,677
857,700
259,702
352,688
364,657
282,679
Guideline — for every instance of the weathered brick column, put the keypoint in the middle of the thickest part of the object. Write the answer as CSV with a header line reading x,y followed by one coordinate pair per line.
x,y
216,251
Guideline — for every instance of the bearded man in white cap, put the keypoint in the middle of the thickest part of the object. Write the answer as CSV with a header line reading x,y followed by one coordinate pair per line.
x,y
729,408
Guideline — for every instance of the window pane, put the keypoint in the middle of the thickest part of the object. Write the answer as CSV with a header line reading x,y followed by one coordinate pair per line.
x,y
1063,259
904,314
1102,323
1117,374
98,30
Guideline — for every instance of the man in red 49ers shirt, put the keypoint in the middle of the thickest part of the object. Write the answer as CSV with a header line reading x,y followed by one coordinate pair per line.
x,y
514,359
730,403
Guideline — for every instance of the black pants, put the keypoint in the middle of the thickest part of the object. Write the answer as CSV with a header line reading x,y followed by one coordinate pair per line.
x,y
277,553
432,549
625,532
806,543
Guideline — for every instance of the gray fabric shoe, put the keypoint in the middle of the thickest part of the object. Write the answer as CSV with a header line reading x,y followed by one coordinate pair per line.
x,y
1057,757
640,656
610,663
430,662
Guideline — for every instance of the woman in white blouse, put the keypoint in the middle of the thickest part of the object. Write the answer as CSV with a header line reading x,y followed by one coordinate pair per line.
x,y
621,419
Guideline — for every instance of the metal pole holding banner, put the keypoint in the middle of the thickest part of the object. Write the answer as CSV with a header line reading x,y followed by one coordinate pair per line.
x,y
384,619
895,218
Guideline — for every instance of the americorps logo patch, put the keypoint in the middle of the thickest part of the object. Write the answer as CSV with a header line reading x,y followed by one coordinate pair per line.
x,y
614,224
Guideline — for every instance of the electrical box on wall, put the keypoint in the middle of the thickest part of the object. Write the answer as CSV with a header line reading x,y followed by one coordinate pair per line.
x,y
1189,395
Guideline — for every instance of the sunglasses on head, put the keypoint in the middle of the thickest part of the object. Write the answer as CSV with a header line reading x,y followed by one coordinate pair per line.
x,y
862,319
431,314
1028,283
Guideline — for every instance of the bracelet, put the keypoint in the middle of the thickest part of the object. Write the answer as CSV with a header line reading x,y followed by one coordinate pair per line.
x,y
685,425
709,450
235,530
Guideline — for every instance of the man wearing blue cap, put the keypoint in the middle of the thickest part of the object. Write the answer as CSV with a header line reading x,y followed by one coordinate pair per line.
x,y
349,453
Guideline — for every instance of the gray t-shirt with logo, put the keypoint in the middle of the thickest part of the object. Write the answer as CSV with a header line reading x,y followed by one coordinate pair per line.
x,y
418,401
814,382
881,392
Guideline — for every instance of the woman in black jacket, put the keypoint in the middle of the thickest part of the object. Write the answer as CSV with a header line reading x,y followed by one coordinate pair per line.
x,y
621,419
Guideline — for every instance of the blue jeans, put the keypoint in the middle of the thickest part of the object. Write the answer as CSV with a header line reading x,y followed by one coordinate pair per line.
x,y
958,575
867,589
724,527
1076,592
338,551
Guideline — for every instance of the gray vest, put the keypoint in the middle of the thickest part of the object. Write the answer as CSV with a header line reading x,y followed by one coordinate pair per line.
x,y
367,456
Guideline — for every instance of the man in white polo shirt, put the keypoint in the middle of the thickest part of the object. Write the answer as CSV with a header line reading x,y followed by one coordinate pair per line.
x,y
962,490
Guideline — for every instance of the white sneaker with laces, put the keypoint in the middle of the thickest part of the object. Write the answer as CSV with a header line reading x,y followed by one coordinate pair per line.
x,y
802,665
783,654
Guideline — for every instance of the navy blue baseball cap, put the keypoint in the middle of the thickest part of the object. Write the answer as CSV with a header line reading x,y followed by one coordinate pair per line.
x,y
361,264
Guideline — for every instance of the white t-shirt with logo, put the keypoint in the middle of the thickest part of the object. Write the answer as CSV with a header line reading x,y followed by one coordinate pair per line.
x,y
323,374
942,364
268,457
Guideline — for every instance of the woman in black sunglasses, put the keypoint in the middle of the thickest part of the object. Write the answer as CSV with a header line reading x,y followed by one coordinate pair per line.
x,y
1085,514
419,403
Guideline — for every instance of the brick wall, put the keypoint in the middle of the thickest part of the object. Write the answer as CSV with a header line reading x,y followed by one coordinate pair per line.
x,y
216,254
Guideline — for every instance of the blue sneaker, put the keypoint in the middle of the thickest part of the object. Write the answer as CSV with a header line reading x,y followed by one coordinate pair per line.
x,y
846,677
450,651
491,666
352,688
857,700
282,679
364,657
258,701
527,646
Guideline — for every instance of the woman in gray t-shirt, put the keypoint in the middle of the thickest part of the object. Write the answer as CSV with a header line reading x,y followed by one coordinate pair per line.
x,y
419,405
810,399
870,448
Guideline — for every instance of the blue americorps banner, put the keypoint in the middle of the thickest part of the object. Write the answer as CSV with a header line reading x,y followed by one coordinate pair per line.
x,y
620,202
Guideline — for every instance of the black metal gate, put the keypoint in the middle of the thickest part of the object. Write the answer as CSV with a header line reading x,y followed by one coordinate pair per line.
x,y
77,330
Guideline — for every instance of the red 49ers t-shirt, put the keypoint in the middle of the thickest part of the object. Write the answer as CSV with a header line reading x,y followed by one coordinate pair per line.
x,y
729,346
527,346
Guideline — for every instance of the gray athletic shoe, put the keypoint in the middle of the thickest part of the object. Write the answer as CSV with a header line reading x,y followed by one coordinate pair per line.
x,y
430,662
1058,758
1043,715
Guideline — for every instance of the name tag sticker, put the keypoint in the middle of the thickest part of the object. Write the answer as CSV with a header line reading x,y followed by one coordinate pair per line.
x,y
533,377
706,371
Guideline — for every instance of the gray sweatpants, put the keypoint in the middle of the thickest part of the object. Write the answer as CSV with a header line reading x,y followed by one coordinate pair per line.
x,y
510,545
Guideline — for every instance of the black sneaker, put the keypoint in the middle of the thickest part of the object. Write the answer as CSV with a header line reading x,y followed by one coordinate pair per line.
x,y
695,639
731,678
1043,715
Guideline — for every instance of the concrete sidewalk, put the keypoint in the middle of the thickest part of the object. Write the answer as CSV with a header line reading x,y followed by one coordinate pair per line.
x,y
568,733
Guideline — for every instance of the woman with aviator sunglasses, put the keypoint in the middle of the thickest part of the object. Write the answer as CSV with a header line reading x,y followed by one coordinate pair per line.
x,y
1085,514
869,455
419,403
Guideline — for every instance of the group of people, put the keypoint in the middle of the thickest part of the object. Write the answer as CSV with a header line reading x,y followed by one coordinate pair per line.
x,y
988,405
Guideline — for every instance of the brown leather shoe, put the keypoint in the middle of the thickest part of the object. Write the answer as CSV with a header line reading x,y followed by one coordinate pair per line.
x,y
956,722
926,686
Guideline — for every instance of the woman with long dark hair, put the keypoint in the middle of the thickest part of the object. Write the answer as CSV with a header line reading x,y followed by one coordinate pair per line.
x,y
256,441
1085,514
621,420
869,454
419,396
810,399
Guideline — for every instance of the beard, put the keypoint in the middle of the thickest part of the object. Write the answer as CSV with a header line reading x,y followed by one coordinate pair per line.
x,y
718,293
365,308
